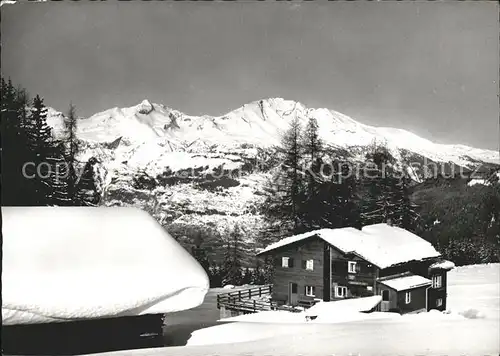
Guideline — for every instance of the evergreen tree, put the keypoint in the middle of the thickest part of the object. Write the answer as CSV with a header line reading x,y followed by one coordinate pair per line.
x,y
17,188
215,276
87,193
292,151
268,273
58,177
313,145
233,256
70,127
311,208
405,213
37,169
283,208
257,275
42,150
347,208
379,186
247,276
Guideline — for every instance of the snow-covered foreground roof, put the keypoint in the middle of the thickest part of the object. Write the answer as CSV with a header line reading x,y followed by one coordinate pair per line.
x,y
70,263
406,282
380,244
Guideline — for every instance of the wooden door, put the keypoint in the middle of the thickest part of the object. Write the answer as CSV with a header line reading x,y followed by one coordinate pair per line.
x,y
292,293
385,304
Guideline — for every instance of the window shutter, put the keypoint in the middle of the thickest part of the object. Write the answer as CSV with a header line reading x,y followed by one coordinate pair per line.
x,y
304,264
290,262
358,267
314,290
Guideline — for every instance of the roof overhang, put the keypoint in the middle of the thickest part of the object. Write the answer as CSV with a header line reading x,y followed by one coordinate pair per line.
x,y
406,282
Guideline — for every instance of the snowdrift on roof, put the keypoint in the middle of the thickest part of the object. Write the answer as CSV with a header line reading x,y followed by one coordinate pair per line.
x,y
444,264
391,245
61,264
406,282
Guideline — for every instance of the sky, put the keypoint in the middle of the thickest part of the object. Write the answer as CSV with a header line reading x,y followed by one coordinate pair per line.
x,y
428,67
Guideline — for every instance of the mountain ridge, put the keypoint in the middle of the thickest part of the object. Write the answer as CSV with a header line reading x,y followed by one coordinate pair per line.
x,y
210,171
262,118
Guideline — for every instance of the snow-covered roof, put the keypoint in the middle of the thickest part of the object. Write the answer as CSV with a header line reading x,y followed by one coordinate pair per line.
x,y
63,263
444,264
380,244
406,282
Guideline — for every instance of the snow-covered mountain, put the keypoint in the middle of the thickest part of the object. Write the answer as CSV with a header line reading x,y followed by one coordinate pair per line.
x,y
210,169
260,123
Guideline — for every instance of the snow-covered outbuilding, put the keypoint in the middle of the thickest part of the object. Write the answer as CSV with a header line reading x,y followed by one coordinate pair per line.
x,y
66,267
380,259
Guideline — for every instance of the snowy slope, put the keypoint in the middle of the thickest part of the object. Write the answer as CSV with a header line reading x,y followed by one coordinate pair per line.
x,y
430,333
76,263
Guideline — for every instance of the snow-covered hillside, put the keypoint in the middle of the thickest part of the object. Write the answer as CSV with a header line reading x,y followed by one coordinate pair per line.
x,y
210,170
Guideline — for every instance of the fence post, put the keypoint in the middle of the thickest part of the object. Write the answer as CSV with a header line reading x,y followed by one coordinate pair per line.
x,y
260,291
254,307
249,293
239,294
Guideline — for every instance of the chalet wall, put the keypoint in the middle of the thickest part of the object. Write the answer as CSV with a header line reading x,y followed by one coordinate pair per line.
x,y
418,300
356,283
438,293
308,249
420,268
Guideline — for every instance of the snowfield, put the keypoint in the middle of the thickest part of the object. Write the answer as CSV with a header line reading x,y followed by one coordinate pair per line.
x,y
471,327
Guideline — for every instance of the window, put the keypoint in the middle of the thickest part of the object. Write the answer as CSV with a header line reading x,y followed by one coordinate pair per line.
x,y
284,262
351,267
385,295
287,262
310,291
309,265
369,288
439,302
408,297
340,292
437,281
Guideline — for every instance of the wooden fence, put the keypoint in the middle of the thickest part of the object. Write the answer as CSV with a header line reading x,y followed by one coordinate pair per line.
x,y
241,300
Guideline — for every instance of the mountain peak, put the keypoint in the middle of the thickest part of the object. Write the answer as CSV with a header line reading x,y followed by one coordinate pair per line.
x,y
145,107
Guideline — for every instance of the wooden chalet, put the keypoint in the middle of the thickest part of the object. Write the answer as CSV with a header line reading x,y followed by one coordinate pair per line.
x,y
334,264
